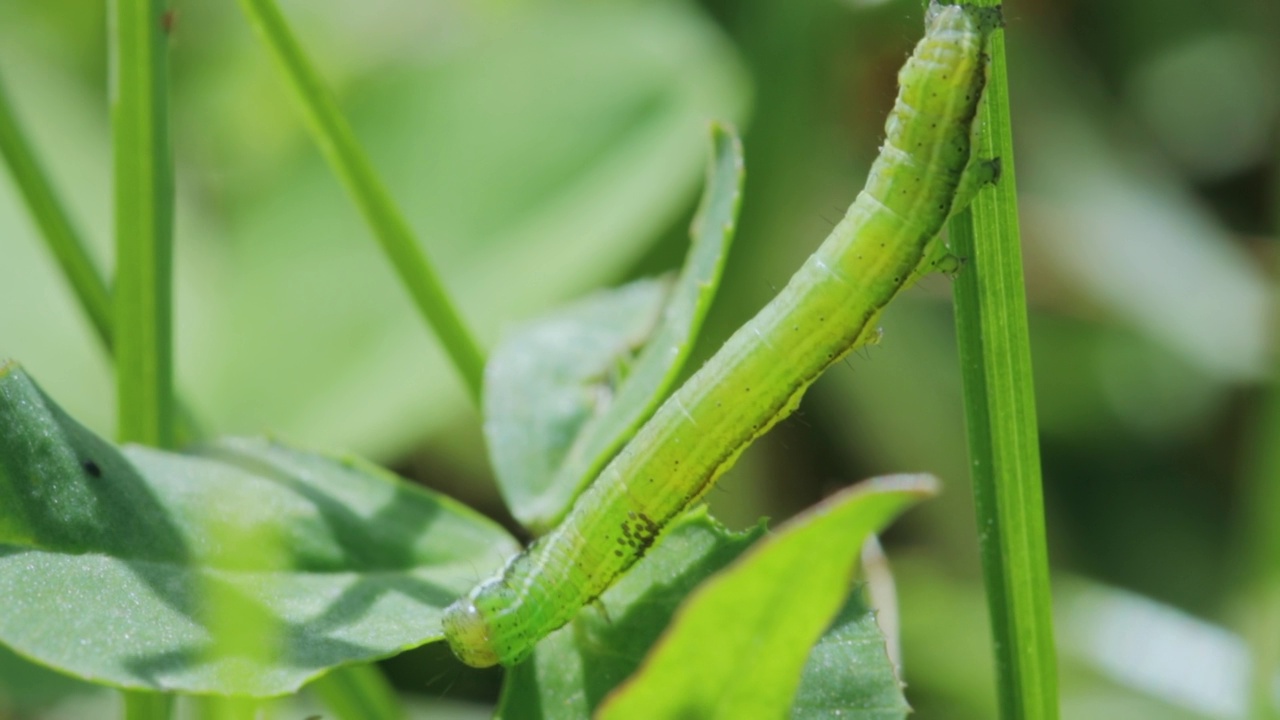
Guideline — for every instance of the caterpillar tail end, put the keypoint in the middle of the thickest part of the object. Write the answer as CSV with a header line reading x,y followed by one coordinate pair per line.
x,y
468,635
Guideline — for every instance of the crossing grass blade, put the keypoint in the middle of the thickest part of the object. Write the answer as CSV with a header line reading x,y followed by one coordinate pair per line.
x,y
995,357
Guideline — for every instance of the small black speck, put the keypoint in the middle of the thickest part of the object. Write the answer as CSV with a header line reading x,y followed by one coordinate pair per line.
x,y
92,468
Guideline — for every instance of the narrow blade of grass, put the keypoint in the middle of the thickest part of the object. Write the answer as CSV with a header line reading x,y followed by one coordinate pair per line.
x,y
144,236
144,223
54,223
991,319
146,705
338,143
358,692
1262,546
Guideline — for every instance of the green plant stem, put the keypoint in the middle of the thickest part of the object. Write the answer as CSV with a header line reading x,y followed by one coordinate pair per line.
x,y
358,692
144,224
140,705
55,224
215,707
337,141
991,319
1262,512
144,220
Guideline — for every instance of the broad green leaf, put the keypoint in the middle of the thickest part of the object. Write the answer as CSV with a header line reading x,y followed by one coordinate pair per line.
x,y
109,558
749,631
848,673
574,667
26,687
565,392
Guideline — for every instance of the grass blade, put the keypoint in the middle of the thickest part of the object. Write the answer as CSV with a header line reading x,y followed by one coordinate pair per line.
x,y
139,705
995,356
144,238
358,692
55,224
144,223
338,144
1262,546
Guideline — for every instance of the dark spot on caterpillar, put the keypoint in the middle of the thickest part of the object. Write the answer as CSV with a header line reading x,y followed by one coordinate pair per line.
x,y
92,468
168,21
618,553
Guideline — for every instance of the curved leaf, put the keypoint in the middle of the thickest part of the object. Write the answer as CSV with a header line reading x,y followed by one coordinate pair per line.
x,y
574,667
749,631
118,566
568,390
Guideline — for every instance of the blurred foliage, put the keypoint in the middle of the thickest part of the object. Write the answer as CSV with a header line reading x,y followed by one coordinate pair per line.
x,y
547,147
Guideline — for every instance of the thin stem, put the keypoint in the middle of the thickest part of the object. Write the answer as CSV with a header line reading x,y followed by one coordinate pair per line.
x,y
337,141
144,224
358,692
991,319
139,705
1262,513
54,223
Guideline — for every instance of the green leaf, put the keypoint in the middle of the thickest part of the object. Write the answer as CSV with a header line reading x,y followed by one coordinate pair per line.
x,y
27,688
574,667
549,378
848,673
109,559
749,631
564,393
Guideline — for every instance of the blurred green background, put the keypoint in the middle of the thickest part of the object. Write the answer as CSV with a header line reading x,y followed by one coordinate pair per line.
x,y
542,148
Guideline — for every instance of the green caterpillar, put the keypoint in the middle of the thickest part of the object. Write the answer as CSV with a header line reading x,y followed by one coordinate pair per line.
x,y
925,172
